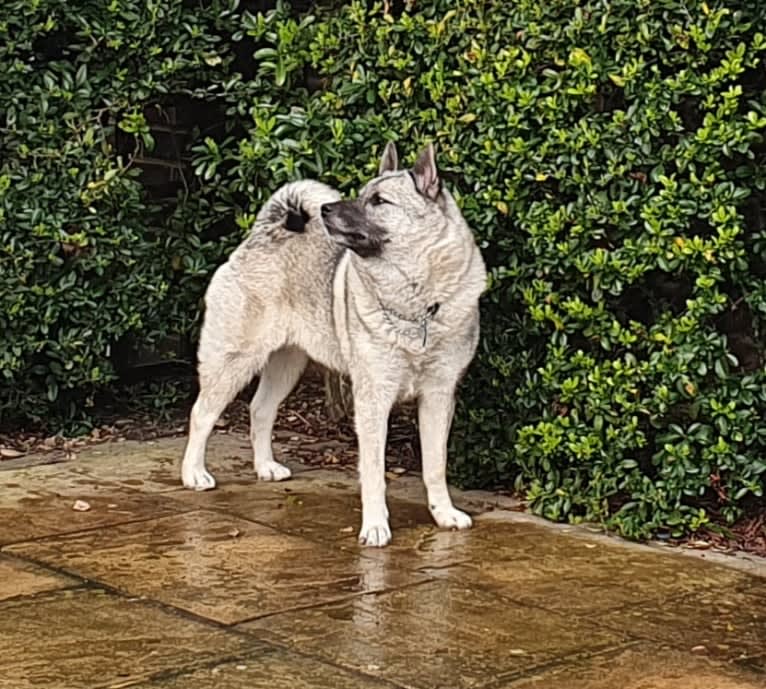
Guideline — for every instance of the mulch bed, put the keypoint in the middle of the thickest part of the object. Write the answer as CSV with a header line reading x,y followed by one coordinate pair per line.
x,y
746,535
301,417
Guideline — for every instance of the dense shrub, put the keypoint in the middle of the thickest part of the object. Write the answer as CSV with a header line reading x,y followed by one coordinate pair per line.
x,y
610,157
83,257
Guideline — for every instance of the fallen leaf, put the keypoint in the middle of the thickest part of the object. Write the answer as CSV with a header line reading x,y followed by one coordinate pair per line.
x,y
699,649
698,545
8,453
81,506
234,533
347,529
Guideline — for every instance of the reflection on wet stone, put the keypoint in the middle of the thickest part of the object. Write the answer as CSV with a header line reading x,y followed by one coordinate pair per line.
x,y
221,567
465,634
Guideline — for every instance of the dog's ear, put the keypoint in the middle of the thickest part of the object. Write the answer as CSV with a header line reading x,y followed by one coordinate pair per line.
x,y
390,160
296,220
425,174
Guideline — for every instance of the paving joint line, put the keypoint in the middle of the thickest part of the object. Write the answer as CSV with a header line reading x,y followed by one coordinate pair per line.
x,y
337,601
89,529
23,597
565,660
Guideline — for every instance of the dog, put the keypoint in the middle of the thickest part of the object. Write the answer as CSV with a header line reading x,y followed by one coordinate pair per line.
x,y
384,289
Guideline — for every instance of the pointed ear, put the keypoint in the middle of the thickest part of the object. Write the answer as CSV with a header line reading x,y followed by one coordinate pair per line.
x,y
390,160
426,175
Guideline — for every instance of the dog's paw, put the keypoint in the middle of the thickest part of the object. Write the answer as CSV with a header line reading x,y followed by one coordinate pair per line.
x,y
375,535
273,471
198,479
451,518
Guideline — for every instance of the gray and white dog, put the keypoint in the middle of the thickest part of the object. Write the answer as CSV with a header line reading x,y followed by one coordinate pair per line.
x,y
392,302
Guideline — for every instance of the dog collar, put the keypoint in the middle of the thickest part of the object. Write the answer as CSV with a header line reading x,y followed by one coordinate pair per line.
x,y
417,326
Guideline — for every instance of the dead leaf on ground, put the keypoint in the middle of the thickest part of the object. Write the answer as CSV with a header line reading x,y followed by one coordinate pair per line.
x,y
81,506
699,545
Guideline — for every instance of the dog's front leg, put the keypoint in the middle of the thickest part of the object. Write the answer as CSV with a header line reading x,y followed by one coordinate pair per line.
x,y
435,411
371,409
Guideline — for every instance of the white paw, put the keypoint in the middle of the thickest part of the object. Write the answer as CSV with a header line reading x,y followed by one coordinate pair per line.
x,y
451,518
197,479
273,471
375,535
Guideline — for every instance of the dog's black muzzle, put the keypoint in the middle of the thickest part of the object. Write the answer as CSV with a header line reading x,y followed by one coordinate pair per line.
x,y
347,224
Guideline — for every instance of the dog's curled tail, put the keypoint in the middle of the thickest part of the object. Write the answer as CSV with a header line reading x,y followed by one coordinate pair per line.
x,y
294,204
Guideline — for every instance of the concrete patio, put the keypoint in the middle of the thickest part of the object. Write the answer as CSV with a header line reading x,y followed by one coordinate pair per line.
x,y
263,585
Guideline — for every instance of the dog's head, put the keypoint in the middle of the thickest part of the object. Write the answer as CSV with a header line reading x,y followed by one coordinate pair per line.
x,y
394,210
295,207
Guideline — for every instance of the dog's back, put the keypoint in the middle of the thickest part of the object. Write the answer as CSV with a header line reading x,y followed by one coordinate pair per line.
x,y
277,285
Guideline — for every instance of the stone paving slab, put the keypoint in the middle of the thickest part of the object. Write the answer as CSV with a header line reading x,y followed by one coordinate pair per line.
x,y
275,670
322,509
263,585
90,638
577,575
643,666
18,578
464,636
214,565
722,623
148,467
41,516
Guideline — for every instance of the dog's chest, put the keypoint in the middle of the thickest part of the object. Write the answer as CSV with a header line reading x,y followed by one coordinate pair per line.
x,y
417,371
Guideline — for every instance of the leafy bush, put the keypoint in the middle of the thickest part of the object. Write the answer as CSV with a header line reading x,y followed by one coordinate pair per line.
x,y
84,258
609,156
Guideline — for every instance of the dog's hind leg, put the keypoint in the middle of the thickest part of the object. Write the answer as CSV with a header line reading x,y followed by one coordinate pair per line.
x,y
435,411
219,380
278,378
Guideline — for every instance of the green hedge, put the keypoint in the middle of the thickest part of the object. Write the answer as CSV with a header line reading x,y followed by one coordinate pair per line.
x,y
609,156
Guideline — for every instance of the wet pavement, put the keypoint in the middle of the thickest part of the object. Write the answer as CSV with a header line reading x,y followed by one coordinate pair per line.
x,y
263,585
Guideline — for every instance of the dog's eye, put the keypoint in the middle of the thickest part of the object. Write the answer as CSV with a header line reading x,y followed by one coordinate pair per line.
x,y
377,200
